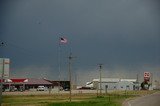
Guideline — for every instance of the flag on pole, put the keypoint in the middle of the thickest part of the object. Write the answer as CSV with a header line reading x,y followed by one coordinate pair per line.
x,y
63,40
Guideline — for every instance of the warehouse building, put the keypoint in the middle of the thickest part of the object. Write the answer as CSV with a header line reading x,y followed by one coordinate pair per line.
x,y
114,84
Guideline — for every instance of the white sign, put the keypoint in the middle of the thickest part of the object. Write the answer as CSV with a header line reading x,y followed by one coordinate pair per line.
x,y
4,67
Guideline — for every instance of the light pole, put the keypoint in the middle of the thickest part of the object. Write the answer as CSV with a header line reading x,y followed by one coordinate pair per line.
x,y
100,75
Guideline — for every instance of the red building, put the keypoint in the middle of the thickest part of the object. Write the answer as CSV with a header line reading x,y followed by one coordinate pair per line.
x,y
32,83
25,83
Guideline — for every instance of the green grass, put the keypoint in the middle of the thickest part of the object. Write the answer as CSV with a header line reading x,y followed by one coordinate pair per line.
x,y
78,100
112,99
109,100
89,103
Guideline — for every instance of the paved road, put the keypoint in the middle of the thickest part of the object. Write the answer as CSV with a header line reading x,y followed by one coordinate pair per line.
x,y
149,100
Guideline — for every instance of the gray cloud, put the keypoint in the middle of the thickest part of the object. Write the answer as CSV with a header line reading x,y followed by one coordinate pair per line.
x,y
118,33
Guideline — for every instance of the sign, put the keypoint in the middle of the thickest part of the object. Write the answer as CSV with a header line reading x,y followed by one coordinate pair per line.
x,y
146,76
4,67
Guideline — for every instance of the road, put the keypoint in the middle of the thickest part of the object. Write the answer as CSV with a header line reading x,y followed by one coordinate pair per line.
x,y
149,100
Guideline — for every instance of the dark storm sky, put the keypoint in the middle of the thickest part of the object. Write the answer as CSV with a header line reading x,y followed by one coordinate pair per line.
x,y
124,35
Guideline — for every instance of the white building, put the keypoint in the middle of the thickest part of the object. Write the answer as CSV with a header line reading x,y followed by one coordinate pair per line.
x,y
114,84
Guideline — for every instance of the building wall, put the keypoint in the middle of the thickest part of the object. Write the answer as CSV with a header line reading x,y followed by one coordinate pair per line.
x,y
125,85
122,85
108,85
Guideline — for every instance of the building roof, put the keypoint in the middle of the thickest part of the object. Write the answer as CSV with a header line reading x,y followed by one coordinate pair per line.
x,y
16,80
114,80
107,80
129,80
29,81
34,81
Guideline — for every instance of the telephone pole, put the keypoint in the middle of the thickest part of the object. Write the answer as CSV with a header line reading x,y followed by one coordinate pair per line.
x,y
100,75
137,78
70,76
151,77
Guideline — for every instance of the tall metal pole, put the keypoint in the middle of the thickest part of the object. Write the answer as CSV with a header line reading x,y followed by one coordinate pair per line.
x,y
1,82
70,76
59,64
70,92
137,78
137,82
100,75
151,79
1,86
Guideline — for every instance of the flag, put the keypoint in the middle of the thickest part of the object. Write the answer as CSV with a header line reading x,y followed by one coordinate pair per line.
x,y
63,40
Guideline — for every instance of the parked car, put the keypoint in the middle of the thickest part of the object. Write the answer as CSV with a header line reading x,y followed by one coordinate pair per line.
x,y
42,88
13,88
66,89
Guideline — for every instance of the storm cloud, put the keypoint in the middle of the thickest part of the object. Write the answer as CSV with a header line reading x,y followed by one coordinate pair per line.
x,y
124,35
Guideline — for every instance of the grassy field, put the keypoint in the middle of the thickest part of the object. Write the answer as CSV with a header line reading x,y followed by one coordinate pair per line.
x,y
112,99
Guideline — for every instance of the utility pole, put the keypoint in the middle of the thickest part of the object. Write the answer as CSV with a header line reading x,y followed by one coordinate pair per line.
x,y
2,72
100,75
137,78
75,78
70,76
137,86
151,77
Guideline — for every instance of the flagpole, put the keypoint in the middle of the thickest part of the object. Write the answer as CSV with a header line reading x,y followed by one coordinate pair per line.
x,y
59,63
62,40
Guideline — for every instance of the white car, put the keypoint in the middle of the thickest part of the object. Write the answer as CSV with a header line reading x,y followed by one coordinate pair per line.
x,y
41,88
